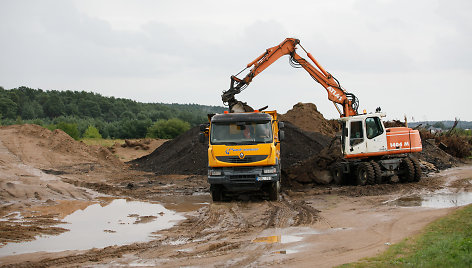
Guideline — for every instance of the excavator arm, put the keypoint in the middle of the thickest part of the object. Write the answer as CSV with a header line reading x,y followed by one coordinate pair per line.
x,y
336,94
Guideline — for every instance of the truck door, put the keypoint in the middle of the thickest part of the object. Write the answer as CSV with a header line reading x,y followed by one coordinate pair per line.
x,y
376,136
357,142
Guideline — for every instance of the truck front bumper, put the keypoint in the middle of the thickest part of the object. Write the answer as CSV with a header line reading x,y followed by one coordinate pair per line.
x,y
243,178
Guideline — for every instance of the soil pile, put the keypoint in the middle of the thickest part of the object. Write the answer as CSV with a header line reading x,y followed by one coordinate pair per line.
x,y
44,148
300,145
307,117
432,154
315,168
186,155
308,151
182,155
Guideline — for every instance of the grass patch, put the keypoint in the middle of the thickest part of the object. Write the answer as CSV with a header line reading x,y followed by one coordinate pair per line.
x,y
446,242
102,142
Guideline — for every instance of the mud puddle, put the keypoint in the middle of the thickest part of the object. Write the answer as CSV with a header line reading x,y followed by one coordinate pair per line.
x,y
118,222
437,200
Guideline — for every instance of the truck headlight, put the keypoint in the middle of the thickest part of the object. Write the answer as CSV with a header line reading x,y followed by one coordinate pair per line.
x,y
269,170
214,172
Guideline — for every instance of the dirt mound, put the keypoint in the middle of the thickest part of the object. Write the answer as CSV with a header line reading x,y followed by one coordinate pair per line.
x,y
182,155
307,117
186,155
44,148
300,145
434,155
315,168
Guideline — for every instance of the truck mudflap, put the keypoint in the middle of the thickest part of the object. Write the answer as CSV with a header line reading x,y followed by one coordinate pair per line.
x,y
243,178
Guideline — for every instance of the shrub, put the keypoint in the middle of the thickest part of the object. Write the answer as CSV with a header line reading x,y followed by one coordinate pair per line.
x,y
92,133
69,128
167,129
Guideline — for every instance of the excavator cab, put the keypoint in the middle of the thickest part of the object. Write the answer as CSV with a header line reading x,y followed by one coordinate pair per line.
x,y
366,136
363,135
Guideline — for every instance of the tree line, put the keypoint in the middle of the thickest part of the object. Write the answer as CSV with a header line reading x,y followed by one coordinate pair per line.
x,y
76,111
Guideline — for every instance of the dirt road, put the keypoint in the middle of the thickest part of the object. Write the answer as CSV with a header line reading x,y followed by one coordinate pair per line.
x,y
318,226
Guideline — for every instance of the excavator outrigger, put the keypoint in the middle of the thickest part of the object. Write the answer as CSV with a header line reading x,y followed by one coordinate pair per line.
x,y
372,153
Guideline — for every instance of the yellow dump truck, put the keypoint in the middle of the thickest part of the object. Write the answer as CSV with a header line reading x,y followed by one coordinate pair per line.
x,y
243,154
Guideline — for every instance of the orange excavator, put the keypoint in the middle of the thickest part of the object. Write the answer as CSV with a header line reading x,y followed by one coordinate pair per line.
x,y
372,153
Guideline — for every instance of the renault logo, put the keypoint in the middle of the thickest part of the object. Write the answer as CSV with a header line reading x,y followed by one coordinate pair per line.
x,y
241,155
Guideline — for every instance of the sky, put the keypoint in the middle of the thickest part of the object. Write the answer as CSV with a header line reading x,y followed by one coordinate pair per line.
x,y
411,58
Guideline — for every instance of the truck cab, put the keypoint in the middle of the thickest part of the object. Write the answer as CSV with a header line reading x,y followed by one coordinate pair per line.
x,y
244,154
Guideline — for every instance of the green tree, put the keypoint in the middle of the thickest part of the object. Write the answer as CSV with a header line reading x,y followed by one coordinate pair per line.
x,y
8,108
70,129
54,106
168,129
440,125
92,133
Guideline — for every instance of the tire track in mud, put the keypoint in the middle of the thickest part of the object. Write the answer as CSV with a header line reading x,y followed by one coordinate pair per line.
x,y
213,232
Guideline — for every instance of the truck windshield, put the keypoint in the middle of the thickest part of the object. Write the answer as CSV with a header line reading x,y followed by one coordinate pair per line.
x,y
241,133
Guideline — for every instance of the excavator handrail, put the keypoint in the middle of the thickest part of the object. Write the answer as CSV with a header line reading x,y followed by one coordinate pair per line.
x,y
336,93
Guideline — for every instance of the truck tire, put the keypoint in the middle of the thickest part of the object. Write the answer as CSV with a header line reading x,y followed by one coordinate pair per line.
x,y
364,173
337,171
216,193
418,171
407,171
377,172
274,191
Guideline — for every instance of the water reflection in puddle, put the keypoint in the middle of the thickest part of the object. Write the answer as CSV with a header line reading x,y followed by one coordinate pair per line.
x,y
289,236
438,200
117,223
284,239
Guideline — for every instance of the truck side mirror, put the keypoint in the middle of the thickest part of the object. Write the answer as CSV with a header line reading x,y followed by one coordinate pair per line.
x,y
281,125
201,137
203,127
281,135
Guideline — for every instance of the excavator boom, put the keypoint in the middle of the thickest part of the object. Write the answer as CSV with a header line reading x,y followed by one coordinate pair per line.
x,y
288,47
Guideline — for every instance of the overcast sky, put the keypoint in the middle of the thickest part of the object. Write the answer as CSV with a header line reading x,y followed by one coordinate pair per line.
x,y
410,57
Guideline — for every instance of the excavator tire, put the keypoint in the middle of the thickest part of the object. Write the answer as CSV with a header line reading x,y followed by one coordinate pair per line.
x,y
418,172
338,174
274,191
407,171
377,172
365,174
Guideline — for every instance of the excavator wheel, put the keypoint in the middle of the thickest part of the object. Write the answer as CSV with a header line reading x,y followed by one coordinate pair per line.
x,y
377,172
418,172
407,171
365,173
337,171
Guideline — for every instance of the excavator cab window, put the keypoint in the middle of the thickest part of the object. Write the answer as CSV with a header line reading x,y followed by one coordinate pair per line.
x,y
373,127
357,135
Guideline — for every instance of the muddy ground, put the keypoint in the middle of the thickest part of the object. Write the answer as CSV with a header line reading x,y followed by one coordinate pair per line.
x,y
45,176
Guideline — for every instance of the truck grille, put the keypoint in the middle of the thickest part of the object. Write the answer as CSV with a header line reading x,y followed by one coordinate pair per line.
x,y
242,178
237,160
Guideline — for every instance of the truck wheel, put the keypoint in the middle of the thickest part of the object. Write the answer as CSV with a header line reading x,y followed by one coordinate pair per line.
x,y
418,171
365,173
337,171
274,190
407,171
216,193
377,172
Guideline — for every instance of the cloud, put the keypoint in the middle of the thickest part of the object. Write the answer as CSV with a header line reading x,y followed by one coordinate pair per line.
x,y
185,51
